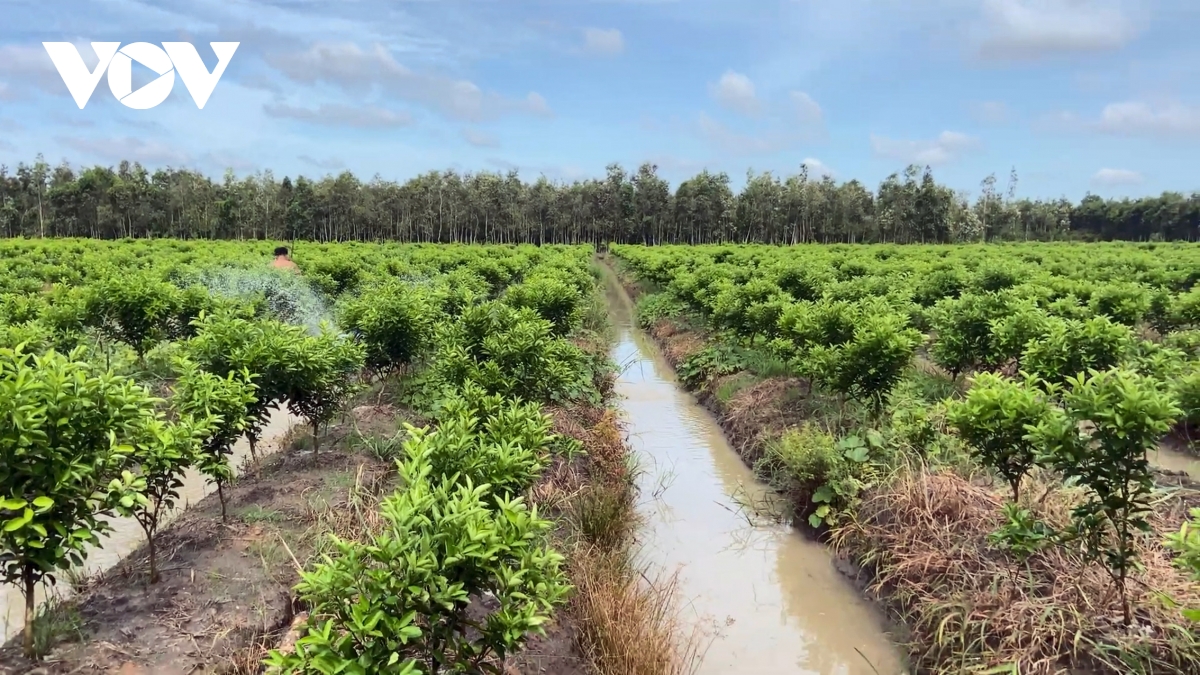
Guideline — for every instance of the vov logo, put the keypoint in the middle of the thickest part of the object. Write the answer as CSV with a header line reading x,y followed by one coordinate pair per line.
x,y
173,57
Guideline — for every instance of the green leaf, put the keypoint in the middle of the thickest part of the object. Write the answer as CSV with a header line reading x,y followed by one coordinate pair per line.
x,y
815,520
823,494
859,454
13,504
43,502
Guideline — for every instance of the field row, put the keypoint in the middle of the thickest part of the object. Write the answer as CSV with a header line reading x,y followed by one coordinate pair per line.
x,y
878,385
125,365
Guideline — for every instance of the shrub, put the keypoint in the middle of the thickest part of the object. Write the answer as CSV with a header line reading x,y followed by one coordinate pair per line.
x,y
1124,303
225,402
1111,420
1070,347
66,437
322,374
995,418
485,440
1186,390
226,344
658,306
136,310
965,340
512,352
399,603
867,367
1012,333
163,453
552,298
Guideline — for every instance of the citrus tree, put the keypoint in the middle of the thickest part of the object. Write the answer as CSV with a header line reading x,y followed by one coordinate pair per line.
x,y
867,367
394,322
1100,438
163,453
996,418
322,375
67,435
226,344
399,602
135,309
223,402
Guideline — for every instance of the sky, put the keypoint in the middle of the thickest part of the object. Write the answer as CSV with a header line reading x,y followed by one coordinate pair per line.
x,y
1078,96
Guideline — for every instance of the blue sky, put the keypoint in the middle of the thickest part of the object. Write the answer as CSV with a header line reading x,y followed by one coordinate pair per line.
x,y
1077,95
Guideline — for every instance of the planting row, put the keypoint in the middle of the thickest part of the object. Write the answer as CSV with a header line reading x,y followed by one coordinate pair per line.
x,y
913,371
124,365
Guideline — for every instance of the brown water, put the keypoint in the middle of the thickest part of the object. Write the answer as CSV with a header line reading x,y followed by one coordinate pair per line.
x,y
1175,459
766,599
126,535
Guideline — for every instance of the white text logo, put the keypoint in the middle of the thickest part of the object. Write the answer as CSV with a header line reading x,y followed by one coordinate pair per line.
x,y
178,57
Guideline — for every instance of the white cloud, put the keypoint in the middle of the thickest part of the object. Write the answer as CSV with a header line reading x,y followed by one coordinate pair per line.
x,y
479,139
353,69
536,104
1144,119
133,149
338,115
1168,120
1116,177
736,92
1027,29
947,147
816,167
30,64
807,111
603,42
990,112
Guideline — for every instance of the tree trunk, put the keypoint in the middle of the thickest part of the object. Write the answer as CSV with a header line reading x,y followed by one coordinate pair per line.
x,y
153,557
29,612
221,496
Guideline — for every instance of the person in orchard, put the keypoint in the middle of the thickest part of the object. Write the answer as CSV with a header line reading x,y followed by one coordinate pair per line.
x,y
283,260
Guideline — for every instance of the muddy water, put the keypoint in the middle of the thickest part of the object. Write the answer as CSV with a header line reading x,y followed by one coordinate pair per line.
x,y
1173,458
126,536
766,599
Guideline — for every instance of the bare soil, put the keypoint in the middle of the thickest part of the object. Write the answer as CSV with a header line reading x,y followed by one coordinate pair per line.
x,y
225,594
225,588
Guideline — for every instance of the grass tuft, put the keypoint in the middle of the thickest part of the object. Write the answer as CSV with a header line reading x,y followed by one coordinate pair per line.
x,y
56,621
627,623
971,606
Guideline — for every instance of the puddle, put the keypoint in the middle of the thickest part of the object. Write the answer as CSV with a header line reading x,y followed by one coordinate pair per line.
x,y
767,599
126,536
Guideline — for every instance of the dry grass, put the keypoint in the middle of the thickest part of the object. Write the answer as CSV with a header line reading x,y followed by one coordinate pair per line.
x,y
627,623
676,343
970,606
761,412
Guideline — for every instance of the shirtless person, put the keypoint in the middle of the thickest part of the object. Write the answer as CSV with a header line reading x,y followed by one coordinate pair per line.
x,y
283,261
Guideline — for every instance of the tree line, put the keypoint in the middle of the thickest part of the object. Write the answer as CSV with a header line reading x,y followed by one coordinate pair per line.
x,y
37,200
